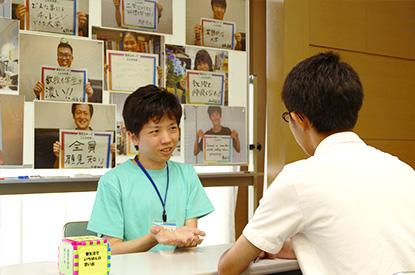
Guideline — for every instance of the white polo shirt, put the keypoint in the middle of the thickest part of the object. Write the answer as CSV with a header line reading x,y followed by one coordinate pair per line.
x,y
349,209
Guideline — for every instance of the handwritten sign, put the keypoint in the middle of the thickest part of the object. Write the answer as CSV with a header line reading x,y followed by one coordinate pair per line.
x,y
58,16
205,87
129,70
217,148
139,14
64,84
217,33
85,149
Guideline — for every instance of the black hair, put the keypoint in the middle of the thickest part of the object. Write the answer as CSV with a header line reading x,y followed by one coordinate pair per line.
x,y
221,3
149,103
91,108
65,45
211,109
202,56
327,91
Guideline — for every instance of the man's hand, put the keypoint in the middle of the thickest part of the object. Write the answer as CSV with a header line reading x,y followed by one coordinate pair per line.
x,y
181,237
56,148
20,11
199,135
38,89
89,91
198,34
82,19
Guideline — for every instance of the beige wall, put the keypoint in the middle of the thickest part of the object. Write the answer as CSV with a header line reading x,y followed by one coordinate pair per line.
x,y
377,38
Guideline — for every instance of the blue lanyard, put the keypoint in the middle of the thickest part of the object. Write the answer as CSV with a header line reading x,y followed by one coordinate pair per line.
x,y
163,202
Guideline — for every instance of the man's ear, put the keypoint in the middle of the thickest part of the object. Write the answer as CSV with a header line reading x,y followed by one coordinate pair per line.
x,y
301,120
133,137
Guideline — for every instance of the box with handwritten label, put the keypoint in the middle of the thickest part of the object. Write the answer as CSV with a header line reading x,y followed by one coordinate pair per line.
x,y
84,255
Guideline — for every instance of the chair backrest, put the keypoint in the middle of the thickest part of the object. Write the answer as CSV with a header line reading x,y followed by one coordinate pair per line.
x,y
75,229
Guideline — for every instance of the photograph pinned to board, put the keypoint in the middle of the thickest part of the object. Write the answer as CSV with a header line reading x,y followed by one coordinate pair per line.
x,y
68,17
9,57
215,135
64,84
88,127
146,15
11,130
133,42
5,8
217,23
125,147
212,66
38,50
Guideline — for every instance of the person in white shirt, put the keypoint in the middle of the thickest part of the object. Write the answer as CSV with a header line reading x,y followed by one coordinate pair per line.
x,y
348,208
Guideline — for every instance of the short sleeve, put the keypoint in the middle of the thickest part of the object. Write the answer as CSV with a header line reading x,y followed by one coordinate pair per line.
x,y
107,216
277,218
198,203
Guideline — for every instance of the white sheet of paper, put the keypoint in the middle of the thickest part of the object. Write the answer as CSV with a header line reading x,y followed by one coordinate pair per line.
x,y
217,148
218,33
64,84
205,87
140,14
85,149
58,16
130,70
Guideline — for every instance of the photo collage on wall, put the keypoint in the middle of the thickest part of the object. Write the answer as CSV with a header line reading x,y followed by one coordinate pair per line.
x,y
76,73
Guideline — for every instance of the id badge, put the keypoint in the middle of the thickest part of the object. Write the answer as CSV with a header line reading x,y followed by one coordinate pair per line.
x,y
169,226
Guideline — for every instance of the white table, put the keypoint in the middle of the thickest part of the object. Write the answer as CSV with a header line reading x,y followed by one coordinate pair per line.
x,y
200,260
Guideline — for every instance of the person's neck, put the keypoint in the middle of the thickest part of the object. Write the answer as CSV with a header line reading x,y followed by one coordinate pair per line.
x,y
316,138
149,164
217,128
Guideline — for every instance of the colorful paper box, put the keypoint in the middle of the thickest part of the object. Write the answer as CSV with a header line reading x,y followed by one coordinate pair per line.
x,y
85,255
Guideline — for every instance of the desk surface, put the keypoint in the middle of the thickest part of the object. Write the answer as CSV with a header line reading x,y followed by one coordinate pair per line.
x,y
200,260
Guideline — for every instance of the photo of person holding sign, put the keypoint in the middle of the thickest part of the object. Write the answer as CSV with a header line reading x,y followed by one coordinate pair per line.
x,y
82,116
146,15
64,59
215,116
235,20
150,202
19,12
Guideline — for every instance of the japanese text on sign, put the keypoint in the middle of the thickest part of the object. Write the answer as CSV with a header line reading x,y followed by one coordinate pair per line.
x,y
139,14
64,84
129,70
58,16
205,87
217,33
85,149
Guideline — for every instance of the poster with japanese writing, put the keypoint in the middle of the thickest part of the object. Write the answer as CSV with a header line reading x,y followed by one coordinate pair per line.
x,y
128,71
217,33
217,149
85,149
139,14
214,135
205,87
64,84
57,16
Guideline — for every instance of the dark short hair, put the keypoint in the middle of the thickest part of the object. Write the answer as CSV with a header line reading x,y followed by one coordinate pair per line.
x,y
327,91
213,109
91,108
65,45
221,3
149,103
202,56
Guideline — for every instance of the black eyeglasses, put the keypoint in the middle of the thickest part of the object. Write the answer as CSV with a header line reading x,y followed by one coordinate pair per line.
x,y
285,116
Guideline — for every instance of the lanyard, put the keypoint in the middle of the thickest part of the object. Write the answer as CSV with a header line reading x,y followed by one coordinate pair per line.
x,y
163,202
